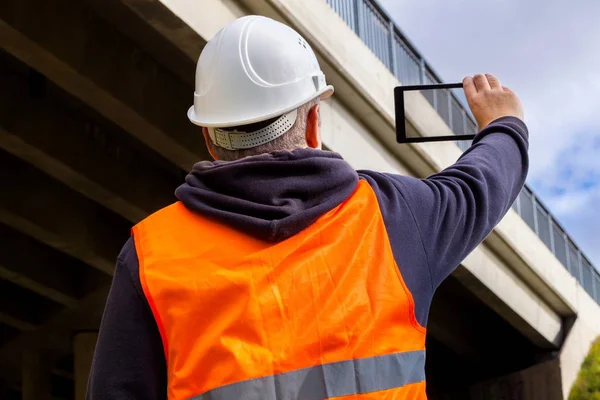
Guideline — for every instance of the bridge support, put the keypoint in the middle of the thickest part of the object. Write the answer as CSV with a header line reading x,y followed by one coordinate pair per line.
x,y
84,344
36,376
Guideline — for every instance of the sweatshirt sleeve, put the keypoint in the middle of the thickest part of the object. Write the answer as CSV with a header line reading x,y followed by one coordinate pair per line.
x,y
434,223
129,361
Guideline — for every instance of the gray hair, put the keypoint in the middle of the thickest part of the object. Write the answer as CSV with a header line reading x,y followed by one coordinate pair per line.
x,y
294,138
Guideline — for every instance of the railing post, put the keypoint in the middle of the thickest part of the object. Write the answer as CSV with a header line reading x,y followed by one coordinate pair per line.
x,y
357,17
551,227
580,262
565,238
422,70
392,49
535,217
450,110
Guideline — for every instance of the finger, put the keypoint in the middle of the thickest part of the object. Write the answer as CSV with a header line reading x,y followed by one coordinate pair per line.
x,y
469,87
481,82
506,89
493,81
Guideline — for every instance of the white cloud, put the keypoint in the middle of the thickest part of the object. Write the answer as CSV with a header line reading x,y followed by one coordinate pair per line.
x,y
548,52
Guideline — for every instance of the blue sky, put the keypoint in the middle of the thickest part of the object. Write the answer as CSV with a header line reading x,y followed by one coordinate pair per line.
x,y
548,52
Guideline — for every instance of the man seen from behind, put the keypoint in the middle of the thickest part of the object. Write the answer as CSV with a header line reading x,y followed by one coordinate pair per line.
x,y
282,273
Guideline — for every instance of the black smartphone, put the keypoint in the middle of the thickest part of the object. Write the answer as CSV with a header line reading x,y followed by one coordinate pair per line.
x,y
445,103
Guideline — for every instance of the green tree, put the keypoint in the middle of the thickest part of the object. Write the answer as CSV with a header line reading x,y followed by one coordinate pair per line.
x,y
587,385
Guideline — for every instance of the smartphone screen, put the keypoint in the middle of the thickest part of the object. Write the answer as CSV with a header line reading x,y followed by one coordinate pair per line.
x,y
448,100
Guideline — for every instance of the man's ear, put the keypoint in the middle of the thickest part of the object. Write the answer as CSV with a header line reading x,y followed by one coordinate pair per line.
x,y
313,133
209,144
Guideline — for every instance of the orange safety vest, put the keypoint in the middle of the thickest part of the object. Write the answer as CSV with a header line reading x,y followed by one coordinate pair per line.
x,y
324,314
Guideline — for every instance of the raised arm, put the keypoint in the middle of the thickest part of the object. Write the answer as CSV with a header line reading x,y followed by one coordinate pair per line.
x,y
434,223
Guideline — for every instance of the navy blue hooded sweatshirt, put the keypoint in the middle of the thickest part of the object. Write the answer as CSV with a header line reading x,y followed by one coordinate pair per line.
x,y
432,224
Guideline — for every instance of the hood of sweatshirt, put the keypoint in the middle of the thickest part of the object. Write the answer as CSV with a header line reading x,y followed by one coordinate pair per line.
x,y
271,196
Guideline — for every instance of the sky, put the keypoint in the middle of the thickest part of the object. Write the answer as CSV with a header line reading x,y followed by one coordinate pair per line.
x,y
548,52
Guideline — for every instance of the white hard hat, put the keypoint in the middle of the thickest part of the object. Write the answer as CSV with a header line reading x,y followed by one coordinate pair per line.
x,y
253,70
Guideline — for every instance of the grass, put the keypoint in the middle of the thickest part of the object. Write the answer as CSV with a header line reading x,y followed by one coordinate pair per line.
x,y
587,385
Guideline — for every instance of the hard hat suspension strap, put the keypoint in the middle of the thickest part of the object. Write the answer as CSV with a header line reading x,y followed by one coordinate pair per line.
x,y
237,140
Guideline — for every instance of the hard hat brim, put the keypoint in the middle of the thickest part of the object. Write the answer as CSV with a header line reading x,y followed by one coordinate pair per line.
x,y
323,94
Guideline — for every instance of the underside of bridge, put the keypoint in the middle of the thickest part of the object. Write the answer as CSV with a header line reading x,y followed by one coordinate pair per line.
x,y
468,343
94,137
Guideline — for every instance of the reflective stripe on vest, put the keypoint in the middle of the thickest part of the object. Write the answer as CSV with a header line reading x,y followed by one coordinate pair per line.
x,y
323,313
325,381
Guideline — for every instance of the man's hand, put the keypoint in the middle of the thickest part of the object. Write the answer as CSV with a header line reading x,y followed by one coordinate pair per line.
x,y
489,100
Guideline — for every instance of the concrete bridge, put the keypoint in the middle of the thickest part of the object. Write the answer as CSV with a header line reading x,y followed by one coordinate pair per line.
x,y
94,137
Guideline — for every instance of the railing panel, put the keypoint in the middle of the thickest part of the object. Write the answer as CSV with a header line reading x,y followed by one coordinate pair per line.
x,y
560,244
430,95
527,209
458,123
443,105
430,79
543,226
574,260
346,10
376,32
408,70
587,277
597,286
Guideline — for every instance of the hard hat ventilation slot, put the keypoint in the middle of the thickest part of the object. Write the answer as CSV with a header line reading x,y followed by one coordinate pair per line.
x,y
303,43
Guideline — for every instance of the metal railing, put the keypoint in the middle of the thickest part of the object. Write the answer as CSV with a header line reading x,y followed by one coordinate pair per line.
x,y
377,30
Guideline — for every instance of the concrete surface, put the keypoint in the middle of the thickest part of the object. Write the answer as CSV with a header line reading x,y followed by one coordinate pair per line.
x,y
540,382
111,75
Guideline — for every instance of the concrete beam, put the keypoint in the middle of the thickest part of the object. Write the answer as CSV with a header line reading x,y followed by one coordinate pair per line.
x,y
45,209
8,333
16,323
454,329
190,14
158,32
104,166
36,287
23,309
502,291
535,264
184,23
33,266
103,68
480,336
54,336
